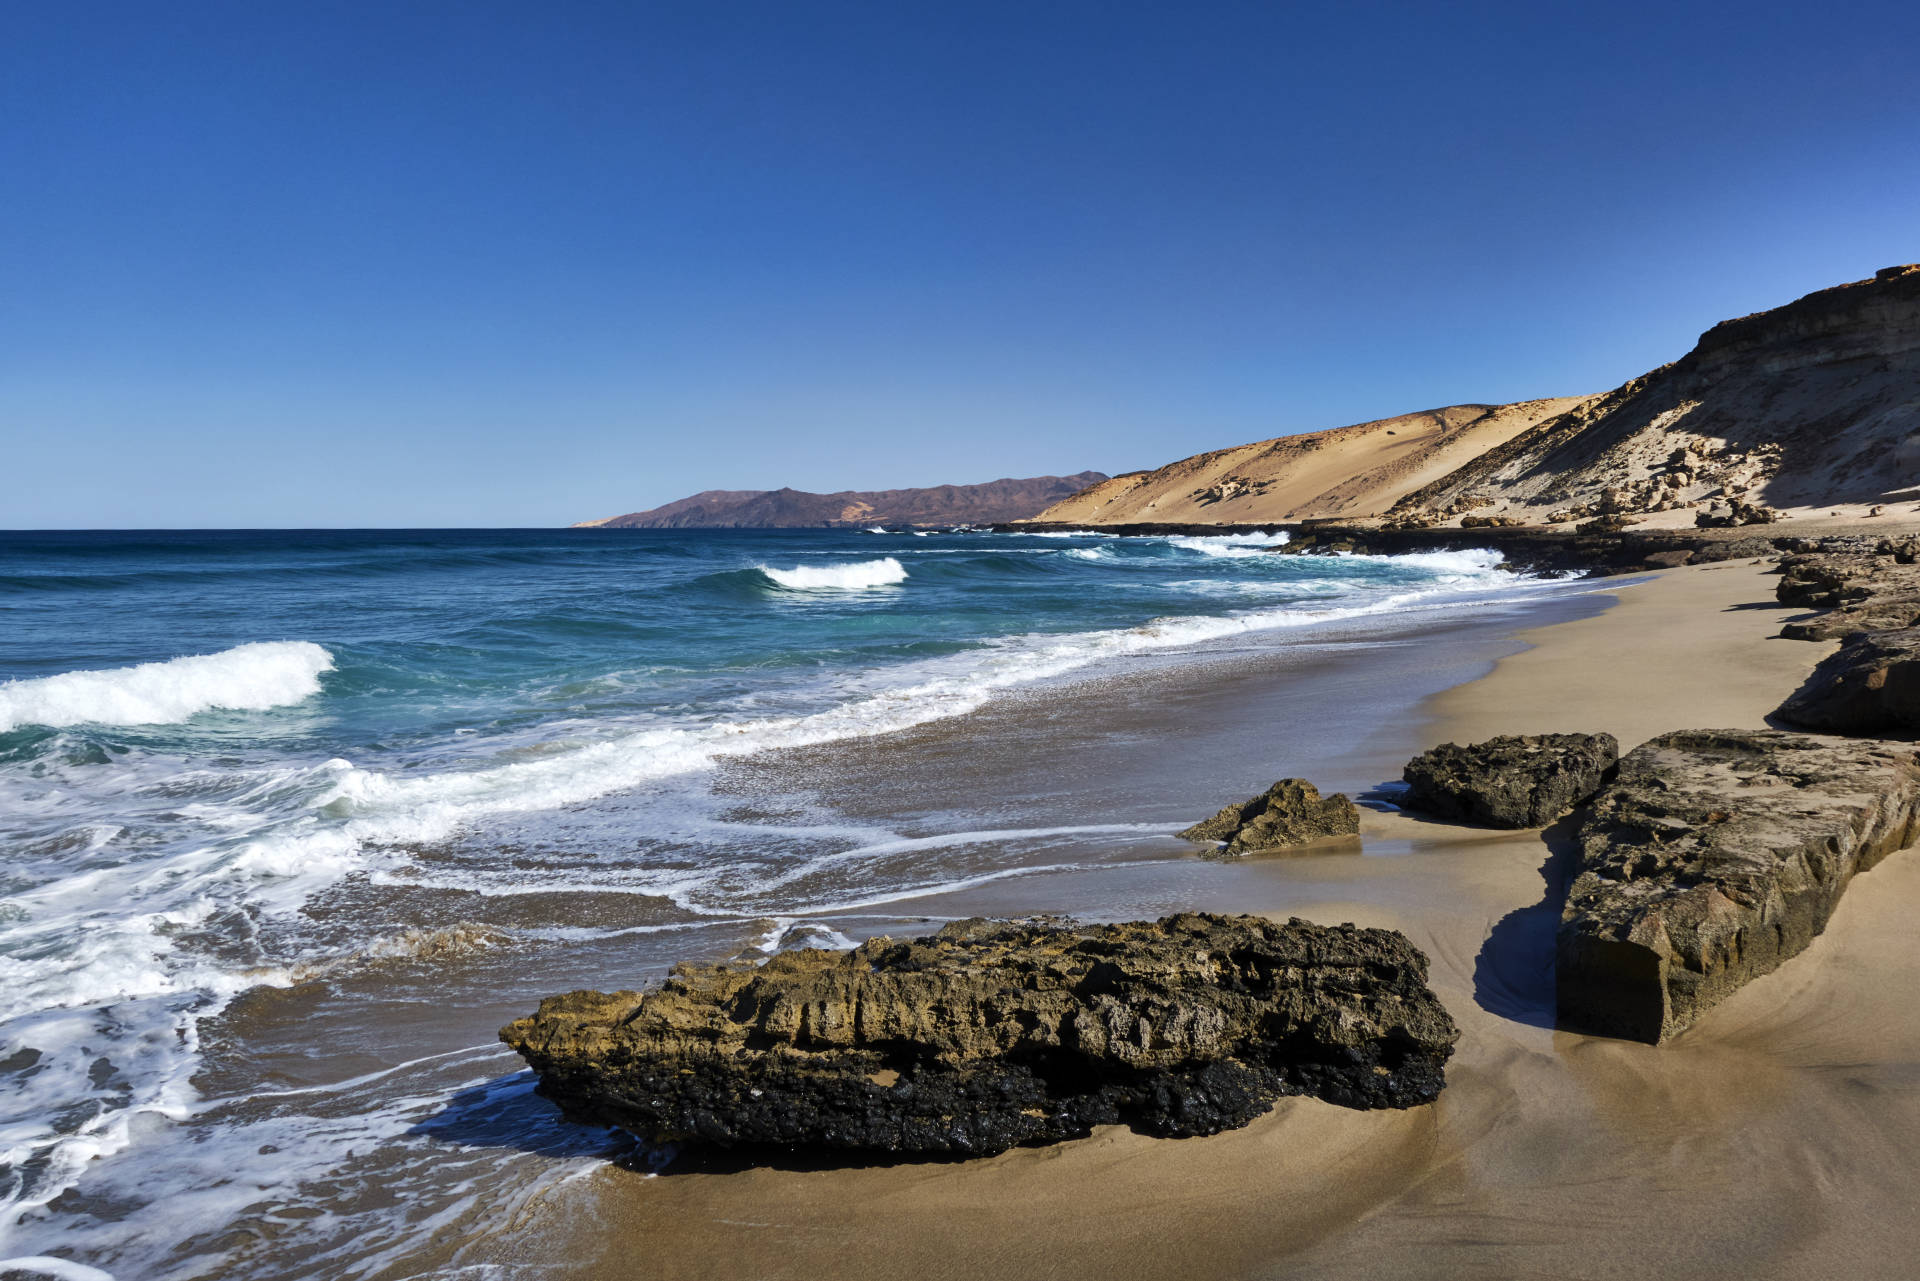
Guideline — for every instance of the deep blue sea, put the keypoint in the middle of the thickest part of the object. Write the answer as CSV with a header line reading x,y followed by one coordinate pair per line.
x,y
271,801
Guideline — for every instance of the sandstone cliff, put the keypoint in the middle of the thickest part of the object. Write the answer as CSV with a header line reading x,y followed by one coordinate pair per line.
x,y
1808,409
994,501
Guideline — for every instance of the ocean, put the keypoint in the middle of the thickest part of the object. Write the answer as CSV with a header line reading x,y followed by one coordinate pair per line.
x,y
290,822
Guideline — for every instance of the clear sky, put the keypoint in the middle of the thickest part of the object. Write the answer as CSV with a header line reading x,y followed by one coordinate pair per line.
x,y
478,263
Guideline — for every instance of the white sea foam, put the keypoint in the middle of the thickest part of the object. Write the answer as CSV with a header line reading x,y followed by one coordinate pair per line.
x,y
383,808
1217,546
1450,567
860,576
248,677
47,1265
1230,546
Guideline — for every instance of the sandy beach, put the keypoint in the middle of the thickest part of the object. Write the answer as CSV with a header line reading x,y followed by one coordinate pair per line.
x,y
775,643
1769,1140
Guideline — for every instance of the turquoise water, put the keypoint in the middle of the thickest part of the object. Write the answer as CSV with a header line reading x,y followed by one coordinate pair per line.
x,y
303,762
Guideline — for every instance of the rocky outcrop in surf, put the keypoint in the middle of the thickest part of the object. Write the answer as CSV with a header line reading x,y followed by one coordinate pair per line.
x,y
1714,856
1514,780
1291,812
998,500
991,1034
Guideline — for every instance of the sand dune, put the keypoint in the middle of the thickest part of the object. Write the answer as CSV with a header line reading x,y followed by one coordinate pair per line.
x,y
1810,409
1356,471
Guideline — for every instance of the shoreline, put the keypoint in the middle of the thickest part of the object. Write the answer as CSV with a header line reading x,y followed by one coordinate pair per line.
x,y
1584,549
1550,1153
1060,796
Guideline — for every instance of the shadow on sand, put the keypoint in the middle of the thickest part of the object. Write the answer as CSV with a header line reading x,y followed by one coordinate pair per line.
x,y
1513,976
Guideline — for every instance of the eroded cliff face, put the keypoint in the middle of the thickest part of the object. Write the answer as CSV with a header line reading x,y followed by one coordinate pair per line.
x,y
1863,319
1802,409
1810,405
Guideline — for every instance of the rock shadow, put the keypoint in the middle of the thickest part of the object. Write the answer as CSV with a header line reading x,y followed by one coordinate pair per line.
x,y
1386,797
508,1114
1513,976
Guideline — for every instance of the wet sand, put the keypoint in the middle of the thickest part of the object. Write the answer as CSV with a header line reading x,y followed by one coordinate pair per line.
x,y
1771,1140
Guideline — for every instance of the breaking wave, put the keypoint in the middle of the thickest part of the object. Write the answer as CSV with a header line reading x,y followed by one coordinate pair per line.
x,y
859,576
1230,546
247,678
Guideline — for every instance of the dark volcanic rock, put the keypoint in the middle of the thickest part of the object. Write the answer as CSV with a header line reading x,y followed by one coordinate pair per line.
x,y
1871,685
1714,856
1291,812
992,1034
1515,780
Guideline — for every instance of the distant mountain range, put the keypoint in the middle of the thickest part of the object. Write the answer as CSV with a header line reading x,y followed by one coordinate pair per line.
x,y
998,500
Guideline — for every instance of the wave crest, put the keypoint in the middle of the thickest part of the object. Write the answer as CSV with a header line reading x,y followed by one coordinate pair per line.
x,y
247,678
1230,546
855,577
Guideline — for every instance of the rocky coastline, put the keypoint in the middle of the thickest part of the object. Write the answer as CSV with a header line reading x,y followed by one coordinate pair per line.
x,y
1534,549
1705,859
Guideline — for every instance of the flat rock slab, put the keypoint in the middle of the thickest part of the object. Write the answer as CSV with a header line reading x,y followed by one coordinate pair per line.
x,y
1291,812
991,1034
1870,685
1712,857
1514,781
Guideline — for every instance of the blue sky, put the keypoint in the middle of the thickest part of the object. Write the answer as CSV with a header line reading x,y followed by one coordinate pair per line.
x,y
514,264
